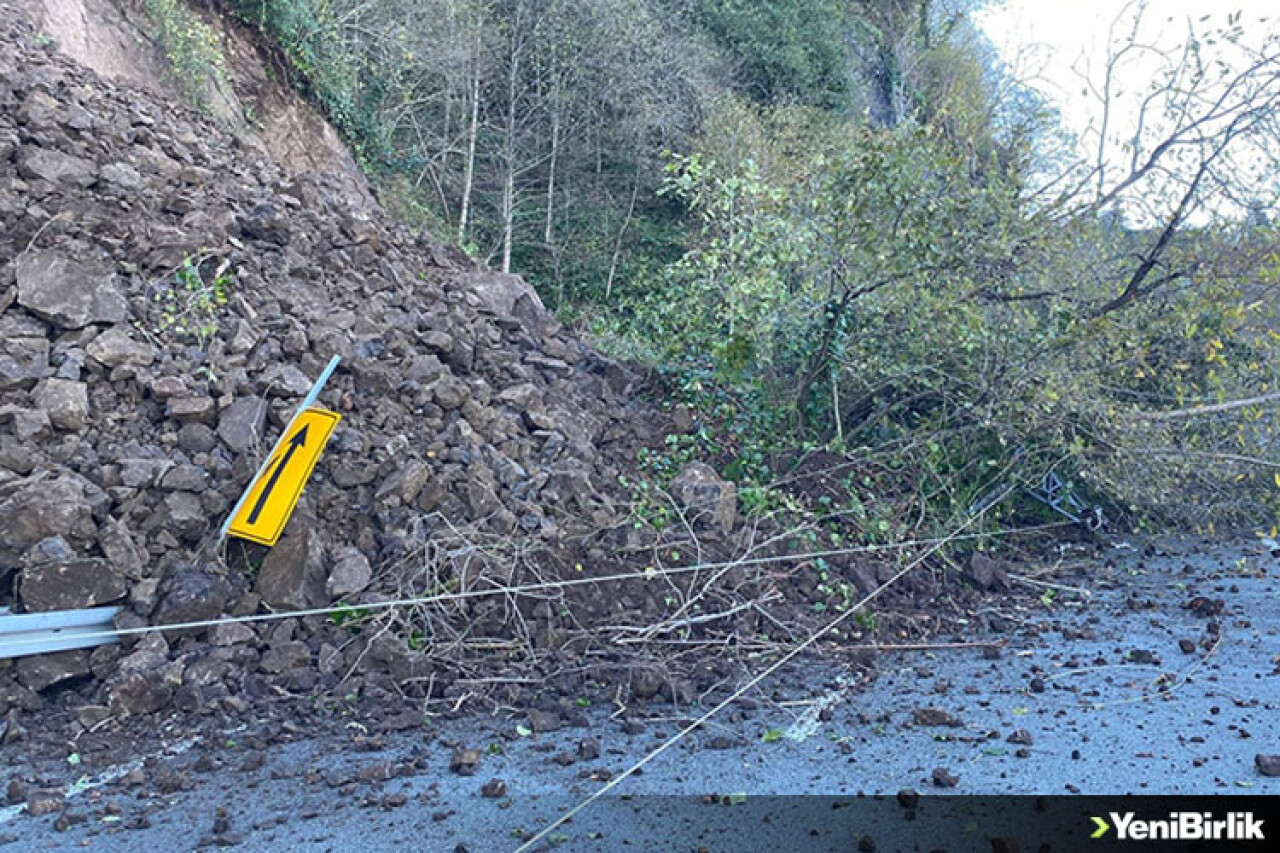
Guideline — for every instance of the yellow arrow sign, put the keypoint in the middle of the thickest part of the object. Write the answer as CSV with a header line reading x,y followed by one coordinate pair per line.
x,y
270,500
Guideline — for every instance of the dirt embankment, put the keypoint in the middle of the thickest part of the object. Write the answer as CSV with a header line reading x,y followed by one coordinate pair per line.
x,y
253,100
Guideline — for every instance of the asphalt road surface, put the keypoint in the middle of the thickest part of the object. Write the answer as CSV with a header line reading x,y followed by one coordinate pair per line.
x,y
1164,680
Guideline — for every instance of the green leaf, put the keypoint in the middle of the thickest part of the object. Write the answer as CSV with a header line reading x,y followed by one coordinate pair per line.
x,y
772,735
523,730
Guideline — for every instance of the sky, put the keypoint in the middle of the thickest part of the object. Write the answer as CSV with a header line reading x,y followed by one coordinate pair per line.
x,y
1058,46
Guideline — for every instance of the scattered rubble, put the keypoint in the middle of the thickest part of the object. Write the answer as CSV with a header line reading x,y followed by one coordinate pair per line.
x,y
167,296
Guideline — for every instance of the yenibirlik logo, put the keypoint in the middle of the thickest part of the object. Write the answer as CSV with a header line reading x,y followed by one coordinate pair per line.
x,y
1183,826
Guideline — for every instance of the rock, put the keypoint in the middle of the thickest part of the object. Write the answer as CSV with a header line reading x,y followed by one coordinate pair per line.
x,y
986,573
645,683
192,409
45,164
197,438
450,392
70,586
138,693
11,729
67,293
241,424
1187,646
141,473
511,297
42,802
698,490
943,779
118,544
541,721
1268,765
350,574
122,176
149,655
23,358
115,347
52,550
28,424
519,397
437,341
286,656
189,478
464,761
292,576
1021,736
65,402
164,387
45,508
934,717
40,672
284,380
589,748
184,514
231,634
494,789
143,595
268,223
191,595
16,792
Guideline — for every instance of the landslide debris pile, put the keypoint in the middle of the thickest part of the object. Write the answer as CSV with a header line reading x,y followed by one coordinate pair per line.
x,y
167,295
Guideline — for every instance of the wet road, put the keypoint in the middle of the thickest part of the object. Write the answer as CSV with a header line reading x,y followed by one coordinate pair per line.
x,y
1127,691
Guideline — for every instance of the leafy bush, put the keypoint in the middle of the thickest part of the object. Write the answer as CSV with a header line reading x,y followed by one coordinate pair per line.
x,y
869,294
190,46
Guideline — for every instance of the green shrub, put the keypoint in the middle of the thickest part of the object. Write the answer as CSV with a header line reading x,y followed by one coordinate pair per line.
x,y
190,46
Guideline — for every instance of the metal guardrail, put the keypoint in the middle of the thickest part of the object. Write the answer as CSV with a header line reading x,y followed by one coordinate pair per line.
x,y
24,634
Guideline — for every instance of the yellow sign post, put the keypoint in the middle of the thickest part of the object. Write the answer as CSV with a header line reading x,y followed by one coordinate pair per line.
x,y
266,507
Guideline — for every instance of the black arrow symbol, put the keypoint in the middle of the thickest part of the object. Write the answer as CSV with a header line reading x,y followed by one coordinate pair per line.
x,y
294,443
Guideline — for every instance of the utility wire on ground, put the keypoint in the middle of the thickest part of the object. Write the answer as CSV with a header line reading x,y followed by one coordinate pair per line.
x,y
955,535
525,589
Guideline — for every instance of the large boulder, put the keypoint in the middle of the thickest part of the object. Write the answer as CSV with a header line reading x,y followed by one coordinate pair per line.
x,y
189,594
704,496
122,550
115,347
511,298
46,164
70,586
350,574
40,672
42,508
292,576
67,293
65,401
241,424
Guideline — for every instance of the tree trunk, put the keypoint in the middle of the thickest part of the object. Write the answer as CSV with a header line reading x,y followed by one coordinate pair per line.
x,y
509,179
548,236
473,129
617,245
